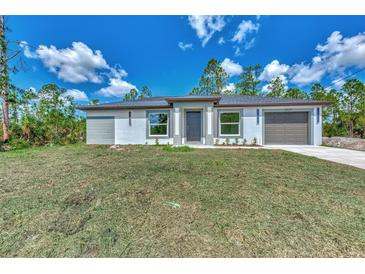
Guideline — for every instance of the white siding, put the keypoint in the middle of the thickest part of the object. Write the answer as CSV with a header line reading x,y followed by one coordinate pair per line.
x,y
100,130
317,127
130,134
251,129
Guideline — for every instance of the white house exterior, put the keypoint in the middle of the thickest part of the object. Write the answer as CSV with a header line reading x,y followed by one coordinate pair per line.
x,y
206,120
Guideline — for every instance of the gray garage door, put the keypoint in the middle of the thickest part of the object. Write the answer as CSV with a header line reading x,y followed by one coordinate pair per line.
x,y
100,130
286,128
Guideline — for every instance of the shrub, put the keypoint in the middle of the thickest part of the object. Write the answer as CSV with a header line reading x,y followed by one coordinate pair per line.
x,y
236,141
227,141
254,141
217,141
244,141
157,142
17,143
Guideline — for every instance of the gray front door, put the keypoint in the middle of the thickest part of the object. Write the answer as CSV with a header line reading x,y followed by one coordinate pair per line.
x,y
193,126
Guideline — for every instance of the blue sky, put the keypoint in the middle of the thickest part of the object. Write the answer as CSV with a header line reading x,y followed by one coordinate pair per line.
x,y
104,56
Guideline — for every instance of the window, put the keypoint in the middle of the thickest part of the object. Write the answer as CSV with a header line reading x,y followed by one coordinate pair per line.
x,y
257,116
158,124
229,123
318,115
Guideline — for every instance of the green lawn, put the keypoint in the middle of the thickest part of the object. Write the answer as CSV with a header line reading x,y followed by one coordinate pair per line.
x,y
147,201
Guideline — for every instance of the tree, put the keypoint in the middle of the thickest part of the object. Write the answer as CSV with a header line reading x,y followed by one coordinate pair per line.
x,y
213,80
145,92
132,95
4,80
4,77
195,91
332,124
94,101
295,93
276,88
249,82
353,105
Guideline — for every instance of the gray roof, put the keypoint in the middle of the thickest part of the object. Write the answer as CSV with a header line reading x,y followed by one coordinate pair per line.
x,y
220,101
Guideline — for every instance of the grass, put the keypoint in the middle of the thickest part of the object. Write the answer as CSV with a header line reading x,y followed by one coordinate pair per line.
x,y
144,201
178,149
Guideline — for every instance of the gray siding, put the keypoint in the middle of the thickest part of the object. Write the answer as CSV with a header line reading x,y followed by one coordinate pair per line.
x,y
100,130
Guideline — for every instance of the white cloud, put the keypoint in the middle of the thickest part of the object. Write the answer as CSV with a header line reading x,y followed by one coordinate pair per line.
x,y
273,70
76,64
117,72
206,25
341,53
338,83
250,43
305,74
76,94
231,67
117,88
245,28
230,87
221,41
265,88
333,58
27,52
184,46
237,51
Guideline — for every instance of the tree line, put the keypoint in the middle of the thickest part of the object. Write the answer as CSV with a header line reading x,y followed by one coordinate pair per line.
x,y
345,117
46,116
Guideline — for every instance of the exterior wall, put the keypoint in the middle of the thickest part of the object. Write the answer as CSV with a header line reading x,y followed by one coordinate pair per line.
x,y
180,109
130,134
252,129
137,132
317,129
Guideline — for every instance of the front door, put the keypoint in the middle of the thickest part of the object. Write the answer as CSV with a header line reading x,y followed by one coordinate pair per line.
x,y
193,126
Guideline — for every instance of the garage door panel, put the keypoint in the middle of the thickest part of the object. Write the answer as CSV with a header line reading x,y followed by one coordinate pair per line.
x,y
100,130
286,128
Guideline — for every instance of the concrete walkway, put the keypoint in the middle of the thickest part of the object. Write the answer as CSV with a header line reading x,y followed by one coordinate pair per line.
x,y
338,155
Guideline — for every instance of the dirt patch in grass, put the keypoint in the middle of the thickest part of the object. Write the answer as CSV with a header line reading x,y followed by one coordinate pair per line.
x,y
146,201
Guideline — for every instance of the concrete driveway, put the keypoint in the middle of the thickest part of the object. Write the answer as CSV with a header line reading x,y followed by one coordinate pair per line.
x,y
338,155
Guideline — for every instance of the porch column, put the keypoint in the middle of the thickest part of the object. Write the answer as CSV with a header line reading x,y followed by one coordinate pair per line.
x,y
209,136
177,126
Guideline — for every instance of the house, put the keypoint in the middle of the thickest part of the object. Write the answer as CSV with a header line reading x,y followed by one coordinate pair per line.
x,y
208,120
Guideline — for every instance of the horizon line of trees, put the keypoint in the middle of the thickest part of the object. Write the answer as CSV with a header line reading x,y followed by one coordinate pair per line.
x,y
345,117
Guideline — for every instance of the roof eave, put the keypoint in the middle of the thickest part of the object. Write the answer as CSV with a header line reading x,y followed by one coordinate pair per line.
x,y
320,103
96,107
202,99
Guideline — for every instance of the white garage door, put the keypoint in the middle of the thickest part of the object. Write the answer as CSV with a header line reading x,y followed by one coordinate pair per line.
x,y
100,130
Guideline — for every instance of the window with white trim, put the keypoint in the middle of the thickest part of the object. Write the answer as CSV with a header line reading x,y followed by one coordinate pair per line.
x,y
158,124
229,123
